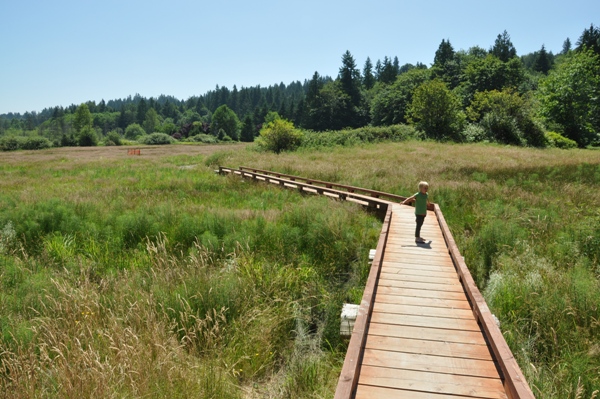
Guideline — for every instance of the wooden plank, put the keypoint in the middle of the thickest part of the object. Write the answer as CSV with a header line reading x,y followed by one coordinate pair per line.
x,y
371,392
455,313
427,334
411,259
425,252
428,245
421,272
429,302
424,321
437,348
410,275
421,293
515,383
449,384
418,250
417,285
430,363
399,255
402,268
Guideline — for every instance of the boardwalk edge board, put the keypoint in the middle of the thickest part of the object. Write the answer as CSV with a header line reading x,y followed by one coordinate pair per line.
x,y
513,380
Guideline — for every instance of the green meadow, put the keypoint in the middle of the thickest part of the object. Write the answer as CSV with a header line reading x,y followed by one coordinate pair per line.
x,y
151,276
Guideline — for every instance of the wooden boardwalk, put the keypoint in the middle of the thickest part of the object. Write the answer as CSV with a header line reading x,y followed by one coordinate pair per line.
x,y
423,329
423,340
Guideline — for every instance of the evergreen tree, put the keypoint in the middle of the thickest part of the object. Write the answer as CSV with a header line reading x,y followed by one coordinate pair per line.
x,y
349,77
444,54
543,61
368,77
122,120
387,75
142,108
566,46
503,47
247,133
590,39
396,65
378,70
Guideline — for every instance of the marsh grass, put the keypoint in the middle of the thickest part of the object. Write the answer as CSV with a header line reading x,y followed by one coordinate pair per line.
x,y
157,278
154,277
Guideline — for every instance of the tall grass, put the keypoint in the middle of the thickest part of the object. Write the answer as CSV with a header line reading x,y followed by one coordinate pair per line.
x,y
143,278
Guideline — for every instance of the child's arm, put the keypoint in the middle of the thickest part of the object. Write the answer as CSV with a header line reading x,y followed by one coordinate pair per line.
x,y
409,200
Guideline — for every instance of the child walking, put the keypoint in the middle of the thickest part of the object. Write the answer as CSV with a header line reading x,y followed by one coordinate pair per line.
x,y
421,199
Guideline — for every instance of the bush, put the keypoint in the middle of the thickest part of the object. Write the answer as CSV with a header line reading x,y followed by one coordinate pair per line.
x,y
560,141
36,143
503,128
87,137
9,143
133,131
367,134
156,139
203,138
474,133
279,135
114,138
13,143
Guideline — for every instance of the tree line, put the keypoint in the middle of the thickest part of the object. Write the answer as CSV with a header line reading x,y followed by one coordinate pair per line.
x,y
465,95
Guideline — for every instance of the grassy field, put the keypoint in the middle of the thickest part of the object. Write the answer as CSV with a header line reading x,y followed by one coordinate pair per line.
x,y
150,276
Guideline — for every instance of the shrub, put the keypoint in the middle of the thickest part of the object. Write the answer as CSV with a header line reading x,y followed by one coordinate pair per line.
x,y
203,138
503,128
279,135
134,131
475,133
560,141
113,137
9,143
349,137
156,139
36,143
87,137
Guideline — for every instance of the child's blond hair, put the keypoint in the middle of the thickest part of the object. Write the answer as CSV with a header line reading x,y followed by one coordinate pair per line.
x,y
423,184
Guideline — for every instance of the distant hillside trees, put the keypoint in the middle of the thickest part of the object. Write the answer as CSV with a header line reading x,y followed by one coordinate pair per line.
x,y
559,92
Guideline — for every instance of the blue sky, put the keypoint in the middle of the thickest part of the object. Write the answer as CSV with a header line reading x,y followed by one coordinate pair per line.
x,y
66,52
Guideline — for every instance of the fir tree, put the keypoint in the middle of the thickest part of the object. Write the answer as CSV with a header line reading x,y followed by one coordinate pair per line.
x,y
543,61
349,77
590,39
247,133
503,47
566,46
368,77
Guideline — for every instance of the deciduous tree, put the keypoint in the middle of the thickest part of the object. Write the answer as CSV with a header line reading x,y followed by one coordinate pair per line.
x,y
570,96
82,118
436,111
225,119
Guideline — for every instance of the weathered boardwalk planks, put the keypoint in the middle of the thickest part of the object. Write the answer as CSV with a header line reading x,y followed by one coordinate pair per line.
x,y
424,339
423,328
